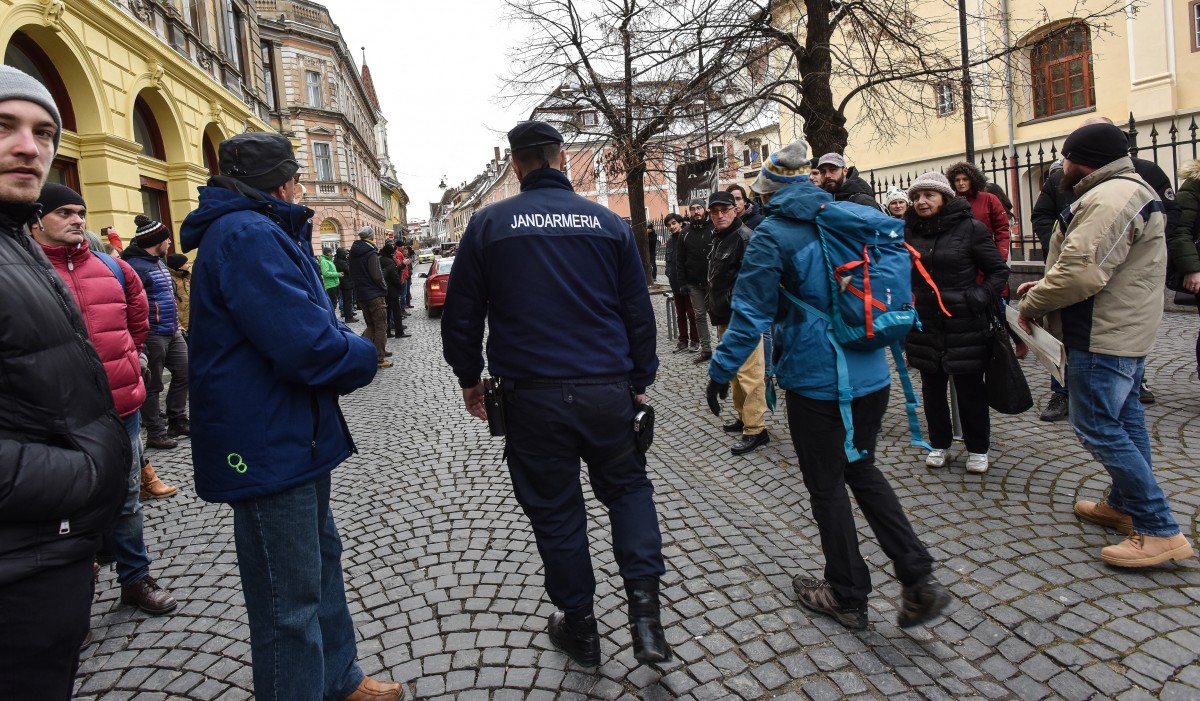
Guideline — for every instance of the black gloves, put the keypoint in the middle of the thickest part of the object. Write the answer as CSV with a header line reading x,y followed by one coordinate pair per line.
x,y
715,392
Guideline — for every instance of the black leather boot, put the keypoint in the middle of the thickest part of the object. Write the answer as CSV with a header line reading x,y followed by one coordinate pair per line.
x,y
577,635
645,623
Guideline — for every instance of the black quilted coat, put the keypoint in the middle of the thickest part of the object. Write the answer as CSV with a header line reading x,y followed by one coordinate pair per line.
x,y
64,453
956,250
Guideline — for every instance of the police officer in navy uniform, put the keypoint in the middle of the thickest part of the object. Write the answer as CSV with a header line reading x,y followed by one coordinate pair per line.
x,y
571,334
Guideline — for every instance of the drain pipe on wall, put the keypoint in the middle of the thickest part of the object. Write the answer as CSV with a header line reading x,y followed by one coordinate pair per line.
x,y
1013,180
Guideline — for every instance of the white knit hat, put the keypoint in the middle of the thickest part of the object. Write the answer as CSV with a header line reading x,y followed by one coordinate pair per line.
x,y
895,194
932,180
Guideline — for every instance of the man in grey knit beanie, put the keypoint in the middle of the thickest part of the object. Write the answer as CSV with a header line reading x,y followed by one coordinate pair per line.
x,y
64,454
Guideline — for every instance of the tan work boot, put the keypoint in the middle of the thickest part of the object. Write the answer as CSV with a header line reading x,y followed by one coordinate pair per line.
x,y
1140,550
152,486
372,690
1101,514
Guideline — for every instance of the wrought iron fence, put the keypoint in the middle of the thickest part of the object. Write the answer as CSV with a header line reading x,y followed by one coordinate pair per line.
x,y
1022,173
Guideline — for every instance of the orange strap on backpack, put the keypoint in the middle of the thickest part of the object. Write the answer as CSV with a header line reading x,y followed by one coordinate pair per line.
x,y
925,274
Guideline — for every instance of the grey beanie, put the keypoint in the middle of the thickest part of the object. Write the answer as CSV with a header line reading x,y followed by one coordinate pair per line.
x,y
18,85
932,180
698,202
366,233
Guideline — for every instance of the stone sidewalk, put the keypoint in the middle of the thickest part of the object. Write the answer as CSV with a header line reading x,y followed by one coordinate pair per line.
x,y
445,584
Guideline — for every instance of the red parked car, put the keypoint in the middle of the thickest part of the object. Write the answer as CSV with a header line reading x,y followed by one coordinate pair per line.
x,y
437,278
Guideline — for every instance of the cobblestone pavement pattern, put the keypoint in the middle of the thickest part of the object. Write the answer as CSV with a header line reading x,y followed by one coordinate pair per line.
x,y
445,585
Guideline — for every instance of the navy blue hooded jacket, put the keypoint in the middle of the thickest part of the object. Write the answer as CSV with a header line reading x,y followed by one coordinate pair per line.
x,y
561,286
268,357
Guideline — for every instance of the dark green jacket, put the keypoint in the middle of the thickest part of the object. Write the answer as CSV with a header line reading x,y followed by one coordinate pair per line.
x,y
1181,238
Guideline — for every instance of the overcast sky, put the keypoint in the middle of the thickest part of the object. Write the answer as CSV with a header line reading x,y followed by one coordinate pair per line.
x,y
435,66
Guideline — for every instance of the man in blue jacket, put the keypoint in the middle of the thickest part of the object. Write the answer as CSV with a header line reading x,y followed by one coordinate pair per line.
x,y
269,361
786,250
571,335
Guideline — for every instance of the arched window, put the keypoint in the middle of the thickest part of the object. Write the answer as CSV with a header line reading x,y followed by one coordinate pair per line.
x,y
145,130
24,54
330,235
1061,70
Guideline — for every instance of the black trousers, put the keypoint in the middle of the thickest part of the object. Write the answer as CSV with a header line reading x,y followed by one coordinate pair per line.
x,y
334,295
818,436
972,410
395,318
43,621
551,427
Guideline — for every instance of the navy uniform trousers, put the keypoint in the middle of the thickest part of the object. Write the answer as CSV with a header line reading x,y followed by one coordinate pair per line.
x,y
552,424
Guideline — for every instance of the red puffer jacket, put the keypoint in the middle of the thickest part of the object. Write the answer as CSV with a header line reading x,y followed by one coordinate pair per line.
x,y
117,322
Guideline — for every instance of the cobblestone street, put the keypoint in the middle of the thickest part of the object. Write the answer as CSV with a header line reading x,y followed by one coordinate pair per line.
x,y
445,585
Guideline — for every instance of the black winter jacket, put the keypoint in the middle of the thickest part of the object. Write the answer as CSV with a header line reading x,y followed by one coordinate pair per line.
x,y
724,264
1052,200
672,260
64,453
341,261
365,272
855,189
391,277
955,248
691,255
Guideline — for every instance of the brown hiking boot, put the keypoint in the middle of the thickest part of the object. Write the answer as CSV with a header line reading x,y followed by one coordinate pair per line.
x,y
1101,514
152,486
1139,550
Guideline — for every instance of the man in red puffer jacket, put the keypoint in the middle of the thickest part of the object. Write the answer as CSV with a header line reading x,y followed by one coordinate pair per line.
x,y
116,314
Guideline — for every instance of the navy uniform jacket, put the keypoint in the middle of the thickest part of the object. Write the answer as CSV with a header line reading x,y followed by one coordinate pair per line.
x,y
561,286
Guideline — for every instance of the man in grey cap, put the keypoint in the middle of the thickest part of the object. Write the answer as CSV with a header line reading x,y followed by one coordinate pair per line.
x,y
64,452
370,291
844,183
263,327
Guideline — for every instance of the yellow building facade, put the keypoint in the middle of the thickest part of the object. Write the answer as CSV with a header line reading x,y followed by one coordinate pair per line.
x,y
1142,62
146,90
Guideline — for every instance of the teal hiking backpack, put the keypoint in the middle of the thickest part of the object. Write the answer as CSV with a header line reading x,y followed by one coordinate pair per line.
x,y
870,281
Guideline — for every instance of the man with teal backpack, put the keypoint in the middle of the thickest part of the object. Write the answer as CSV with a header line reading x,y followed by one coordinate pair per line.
x,y
833,319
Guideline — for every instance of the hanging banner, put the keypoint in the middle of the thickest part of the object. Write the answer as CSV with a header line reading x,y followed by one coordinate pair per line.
x,y
696,179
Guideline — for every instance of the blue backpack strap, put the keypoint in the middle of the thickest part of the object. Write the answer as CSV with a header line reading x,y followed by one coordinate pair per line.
x,y
845,393
112,266
910,399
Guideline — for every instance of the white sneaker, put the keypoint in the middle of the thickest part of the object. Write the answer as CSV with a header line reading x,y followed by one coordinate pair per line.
x,y
977,463
938,458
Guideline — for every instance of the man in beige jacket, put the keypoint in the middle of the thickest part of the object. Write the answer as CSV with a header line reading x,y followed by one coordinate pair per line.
x,y
1102,296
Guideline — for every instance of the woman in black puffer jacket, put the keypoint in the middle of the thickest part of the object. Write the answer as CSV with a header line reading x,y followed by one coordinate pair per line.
x,y
954,340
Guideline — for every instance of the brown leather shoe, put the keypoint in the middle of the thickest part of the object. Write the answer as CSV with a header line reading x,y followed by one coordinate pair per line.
x,y
148,596
1139,550
374,690
152,486
1101,514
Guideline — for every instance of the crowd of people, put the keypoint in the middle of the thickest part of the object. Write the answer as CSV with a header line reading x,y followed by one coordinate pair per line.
x,y
572,356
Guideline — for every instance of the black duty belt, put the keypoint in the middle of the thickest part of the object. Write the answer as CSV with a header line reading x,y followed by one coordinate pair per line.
x,y
544,382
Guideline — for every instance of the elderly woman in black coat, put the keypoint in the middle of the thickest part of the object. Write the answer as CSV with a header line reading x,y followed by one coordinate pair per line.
x,y
955,340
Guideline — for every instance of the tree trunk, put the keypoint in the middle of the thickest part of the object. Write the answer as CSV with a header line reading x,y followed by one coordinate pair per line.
x,y
824,126
635,179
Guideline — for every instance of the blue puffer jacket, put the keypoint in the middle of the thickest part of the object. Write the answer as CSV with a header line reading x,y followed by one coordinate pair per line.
x,y
160,289
268,357
785,250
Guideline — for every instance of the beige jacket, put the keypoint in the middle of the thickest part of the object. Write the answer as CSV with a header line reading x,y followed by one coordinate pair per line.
x,y
1103,289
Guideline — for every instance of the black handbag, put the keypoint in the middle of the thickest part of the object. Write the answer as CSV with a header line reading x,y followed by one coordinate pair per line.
x,y
1007,390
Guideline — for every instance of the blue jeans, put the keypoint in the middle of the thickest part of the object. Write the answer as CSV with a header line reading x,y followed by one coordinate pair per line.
x,y
1107,415
290,558
126,542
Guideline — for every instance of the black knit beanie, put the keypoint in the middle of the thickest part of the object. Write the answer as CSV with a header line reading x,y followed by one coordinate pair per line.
x,y
149,232
1096,145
